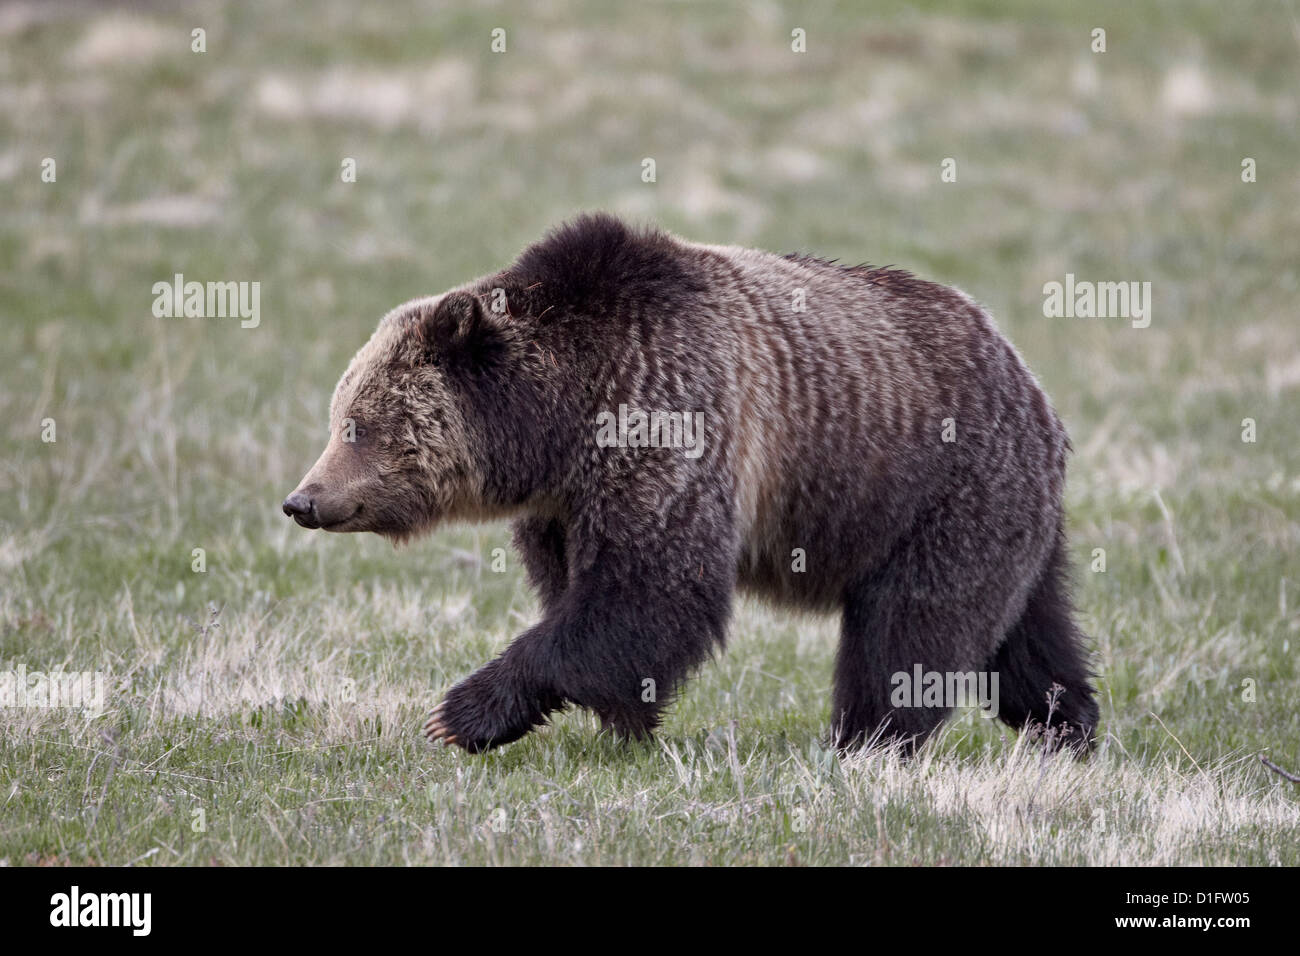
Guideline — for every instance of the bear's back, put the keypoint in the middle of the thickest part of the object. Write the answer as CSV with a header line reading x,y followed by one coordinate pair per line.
x,y
840,402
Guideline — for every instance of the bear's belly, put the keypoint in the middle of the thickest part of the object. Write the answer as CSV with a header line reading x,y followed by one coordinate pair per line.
x,y
776,570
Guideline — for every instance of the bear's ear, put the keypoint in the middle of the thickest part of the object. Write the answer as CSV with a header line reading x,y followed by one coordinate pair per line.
x,y
460,331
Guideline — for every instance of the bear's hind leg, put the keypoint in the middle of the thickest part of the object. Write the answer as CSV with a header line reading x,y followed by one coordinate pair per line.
x,y
885,633
1044,648
915,630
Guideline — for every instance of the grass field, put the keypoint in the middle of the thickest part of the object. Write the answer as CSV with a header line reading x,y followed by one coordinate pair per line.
x,y
267,709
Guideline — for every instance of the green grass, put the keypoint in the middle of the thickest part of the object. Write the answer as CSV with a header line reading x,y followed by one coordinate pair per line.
x,y
290,718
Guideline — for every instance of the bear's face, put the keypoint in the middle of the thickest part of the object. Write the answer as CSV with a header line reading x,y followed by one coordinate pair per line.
x,y
400,457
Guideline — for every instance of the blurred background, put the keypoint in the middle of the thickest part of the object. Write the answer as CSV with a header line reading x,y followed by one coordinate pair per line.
x,y
230,165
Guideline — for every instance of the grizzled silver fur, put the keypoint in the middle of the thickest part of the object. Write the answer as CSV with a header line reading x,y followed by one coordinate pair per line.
x,y
872,445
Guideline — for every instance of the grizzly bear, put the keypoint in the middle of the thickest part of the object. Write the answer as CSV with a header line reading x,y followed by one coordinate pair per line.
x,y
666,422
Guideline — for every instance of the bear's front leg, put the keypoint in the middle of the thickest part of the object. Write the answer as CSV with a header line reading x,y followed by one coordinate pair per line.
x,y
498,703
620,643
541,545
648,598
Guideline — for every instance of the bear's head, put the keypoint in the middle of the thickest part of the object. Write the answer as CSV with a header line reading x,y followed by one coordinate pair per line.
x,y
416,420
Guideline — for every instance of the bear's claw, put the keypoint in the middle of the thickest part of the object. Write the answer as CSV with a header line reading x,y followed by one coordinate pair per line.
x,y
435,729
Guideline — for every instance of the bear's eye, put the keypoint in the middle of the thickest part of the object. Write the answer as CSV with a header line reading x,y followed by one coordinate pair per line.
x,y
352,432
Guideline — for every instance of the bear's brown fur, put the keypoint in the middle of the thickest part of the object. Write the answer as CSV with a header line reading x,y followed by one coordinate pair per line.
x,y
871,444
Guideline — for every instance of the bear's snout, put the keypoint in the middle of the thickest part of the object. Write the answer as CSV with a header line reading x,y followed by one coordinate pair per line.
x,y
302,509
315,506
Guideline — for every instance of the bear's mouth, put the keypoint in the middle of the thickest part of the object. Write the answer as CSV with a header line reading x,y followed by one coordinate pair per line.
x,y
313,522
338,525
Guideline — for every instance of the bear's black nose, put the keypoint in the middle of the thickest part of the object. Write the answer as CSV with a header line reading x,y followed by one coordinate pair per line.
x,y
297,505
